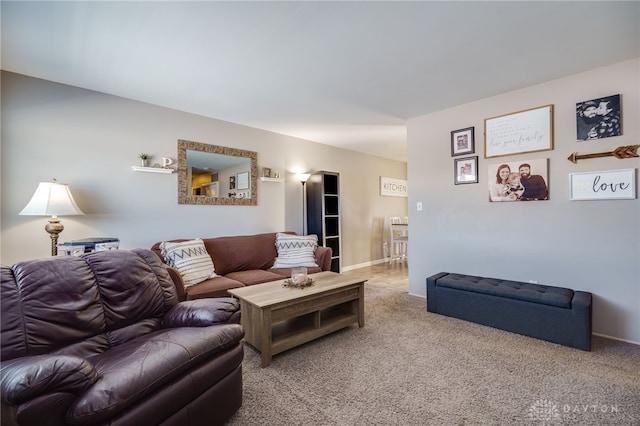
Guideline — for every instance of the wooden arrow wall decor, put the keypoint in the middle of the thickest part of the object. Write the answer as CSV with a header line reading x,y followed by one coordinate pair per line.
x,y
627,151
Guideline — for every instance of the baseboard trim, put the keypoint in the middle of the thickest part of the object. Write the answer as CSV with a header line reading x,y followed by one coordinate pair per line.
x,y
615,338
362,265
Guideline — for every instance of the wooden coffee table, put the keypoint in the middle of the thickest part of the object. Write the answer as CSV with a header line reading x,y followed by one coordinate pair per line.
x,y
277,318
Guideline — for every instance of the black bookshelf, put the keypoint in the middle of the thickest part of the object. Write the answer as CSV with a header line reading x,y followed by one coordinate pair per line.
x,y
323,212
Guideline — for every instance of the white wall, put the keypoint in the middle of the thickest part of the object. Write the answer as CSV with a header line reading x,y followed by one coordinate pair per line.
x,y
585,245
90,141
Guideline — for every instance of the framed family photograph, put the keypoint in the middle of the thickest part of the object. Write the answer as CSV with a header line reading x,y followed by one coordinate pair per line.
x,y
598,118
462,142
524,180
266,172
465,170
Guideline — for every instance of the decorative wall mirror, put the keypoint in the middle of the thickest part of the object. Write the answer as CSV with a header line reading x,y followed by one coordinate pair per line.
x,y
207,174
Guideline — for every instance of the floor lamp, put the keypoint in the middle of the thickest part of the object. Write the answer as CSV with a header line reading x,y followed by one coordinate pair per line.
x,y
52,199
303,178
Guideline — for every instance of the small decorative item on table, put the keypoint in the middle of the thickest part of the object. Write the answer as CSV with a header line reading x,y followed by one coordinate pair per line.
x,y
299,278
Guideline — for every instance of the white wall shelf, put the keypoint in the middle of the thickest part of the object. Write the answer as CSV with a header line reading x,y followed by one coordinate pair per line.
x,y
267,179
151,169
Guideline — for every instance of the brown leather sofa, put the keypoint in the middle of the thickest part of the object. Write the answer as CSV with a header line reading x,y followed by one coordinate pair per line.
x,y
102,339
240,261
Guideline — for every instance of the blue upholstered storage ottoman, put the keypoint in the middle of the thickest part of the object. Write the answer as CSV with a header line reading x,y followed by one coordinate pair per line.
x,y
556,314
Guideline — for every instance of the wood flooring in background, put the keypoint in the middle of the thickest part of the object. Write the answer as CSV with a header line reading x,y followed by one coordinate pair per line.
x,y
394,275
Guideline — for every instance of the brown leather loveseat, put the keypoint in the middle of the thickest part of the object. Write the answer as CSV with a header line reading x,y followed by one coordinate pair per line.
x,y
102,339
240,261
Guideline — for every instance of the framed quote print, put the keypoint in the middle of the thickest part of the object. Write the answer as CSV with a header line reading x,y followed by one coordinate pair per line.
x,y
520,132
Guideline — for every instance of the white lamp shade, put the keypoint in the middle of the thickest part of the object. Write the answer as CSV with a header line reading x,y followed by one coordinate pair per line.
x,y
303,177
52,199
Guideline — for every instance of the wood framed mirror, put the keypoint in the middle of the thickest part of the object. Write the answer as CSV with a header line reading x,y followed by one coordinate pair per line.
x,y
207,174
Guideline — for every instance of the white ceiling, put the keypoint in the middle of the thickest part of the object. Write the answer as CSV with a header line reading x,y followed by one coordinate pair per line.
x,y
341,73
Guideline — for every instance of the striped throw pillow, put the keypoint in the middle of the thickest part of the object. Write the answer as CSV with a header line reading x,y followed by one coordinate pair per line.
x,y
190,258
295,250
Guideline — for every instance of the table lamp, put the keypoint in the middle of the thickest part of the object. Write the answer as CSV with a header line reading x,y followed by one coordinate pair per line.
x,y
52,199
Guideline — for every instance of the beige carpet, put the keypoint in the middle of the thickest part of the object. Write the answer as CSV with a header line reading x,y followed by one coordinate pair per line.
x,y
411,367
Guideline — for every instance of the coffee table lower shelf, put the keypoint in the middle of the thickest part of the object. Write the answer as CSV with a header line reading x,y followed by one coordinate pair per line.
x,y
300,317
294,332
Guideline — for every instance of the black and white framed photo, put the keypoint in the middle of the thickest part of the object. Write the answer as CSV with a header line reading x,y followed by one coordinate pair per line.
x,y
599,118
465,170
462,142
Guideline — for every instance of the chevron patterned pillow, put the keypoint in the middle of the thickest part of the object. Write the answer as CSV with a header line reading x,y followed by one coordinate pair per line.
x,y
295,250
190,258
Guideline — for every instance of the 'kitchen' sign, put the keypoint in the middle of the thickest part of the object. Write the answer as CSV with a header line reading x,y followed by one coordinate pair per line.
x,y
391,187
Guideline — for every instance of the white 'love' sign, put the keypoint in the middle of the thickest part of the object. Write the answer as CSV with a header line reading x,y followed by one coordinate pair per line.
x,y
605,185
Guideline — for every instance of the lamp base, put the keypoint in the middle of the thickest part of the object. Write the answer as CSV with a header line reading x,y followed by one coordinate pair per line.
x,y
54,228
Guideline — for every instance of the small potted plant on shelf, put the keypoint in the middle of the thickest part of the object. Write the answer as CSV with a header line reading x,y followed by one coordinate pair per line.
x,y
143,159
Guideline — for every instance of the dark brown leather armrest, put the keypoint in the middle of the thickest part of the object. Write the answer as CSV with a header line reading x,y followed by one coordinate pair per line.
x,y
323,257
177,281
32,376
201,312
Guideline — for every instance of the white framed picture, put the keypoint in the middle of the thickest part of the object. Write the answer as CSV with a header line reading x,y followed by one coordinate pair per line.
x,y
520,132
392,187
603,185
